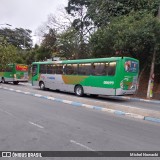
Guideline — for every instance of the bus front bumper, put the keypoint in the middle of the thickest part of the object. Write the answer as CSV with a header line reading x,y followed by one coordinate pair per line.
x,y
124,92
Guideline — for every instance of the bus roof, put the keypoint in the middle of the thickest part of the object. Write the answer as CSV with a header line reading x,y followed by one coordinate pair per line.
x,y
85,60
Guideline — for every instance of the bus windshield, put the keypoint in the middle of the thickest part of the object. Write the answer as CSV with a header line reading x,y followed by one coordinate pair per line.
x,y
131,66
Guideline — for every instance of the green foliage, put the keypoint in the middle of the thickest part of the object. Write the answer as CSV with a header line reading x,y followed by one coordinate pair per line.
x,y
102,11
50,40
134,35
18,37
8,54
102,43
116,31
75,6
42,54
82,24
70,46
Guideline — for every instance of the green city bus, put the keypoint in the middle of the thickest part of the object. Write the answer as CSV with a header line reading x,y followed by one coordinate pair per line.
x,y
14,73
98,76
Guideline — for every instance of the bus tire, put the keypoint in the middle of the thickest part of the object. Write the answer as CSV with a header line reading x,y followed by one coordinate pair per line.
x,y
79,91
42,86
3,80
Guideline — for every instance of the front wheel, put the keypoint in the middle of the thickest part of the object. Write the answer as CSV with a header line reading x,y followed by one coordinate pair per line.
x,y
42,86
3,80
79,91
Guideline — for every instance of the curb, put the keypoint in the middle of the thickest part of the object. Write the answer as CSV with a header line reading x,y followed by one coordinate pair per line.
x,y
77,104
135,99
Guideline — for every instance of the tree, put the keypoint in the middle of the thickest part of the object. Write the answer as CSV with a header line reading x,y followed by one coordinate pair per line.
x,y
53,31
81,23
102,11
134,35
49,40
22,38
18,37
8,54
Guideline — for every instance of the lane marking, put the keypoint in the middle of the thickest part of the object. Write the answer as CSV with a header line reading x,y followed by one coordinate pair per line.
x,y
84,146
37,125
7,113
26,92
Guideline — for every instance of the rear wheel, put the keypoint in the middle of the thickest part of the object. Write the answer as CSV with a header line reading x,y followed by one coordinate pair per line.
x,y
79,91
42,86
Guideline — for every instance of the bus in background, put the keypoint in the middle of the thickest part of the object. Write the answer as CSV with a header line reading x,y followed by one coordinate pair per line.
x,y
14,73
98,76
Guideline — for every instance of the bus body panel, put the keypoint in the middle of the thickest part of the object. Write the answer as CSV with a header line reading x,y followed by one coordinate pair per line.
x,y
68,83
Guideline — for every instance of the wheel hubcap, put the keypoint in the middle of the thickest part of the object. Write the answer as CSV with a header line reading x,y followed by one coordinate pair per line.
x,y
42,85
79,91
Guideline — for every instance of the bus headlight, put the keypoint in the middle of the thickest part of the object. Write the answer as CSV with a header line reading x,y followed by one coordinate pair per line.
x,y
15,76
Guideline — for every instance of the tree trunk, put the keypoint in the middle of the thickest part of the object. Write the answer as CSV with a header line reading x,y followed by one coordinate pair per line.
x,y
151,76
140,76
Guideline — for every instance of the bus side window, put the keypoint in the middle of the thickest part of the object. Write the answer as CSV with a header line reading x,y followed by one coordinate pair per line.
x,y
75,69
85,69
54,68
111,68
80,69
49,69
9,69
99,69
70,69
59,69
43,69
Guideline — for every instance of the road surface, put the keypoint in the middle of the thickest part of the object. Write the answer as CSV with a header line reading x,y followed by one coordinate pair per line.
x,y
29,123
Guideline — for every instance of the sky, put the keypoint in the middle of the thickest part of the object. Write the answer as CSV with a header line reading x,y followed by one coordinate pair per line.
x,y
28,14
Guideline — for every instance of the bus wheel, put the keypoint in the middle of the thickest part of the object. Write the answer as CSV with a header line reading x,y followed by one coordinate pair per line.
x,y
3,80
79,91
42,86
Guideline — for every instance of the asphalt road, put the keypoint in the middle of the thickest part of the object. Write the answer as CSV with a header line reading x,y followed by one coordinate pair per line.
x,y
31,123
130,107
87,99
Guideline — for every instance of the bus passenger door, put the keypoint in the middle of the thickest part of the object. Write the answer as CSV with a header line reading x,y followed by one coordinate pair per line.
x,y
34,73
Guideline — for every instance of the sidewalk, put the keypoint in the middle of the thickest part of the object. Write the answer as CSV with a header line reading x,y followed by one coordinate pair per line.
x,y
136,99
